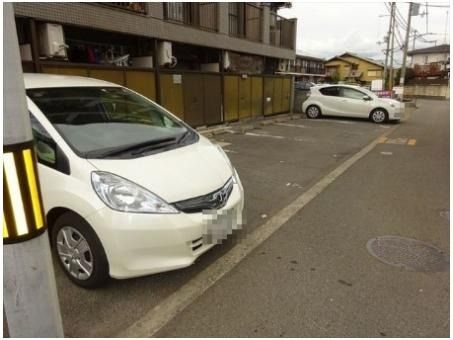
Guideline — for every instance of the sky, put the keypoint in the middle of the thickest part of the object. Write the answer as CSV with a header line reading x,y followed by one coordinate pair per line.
x,y
328,29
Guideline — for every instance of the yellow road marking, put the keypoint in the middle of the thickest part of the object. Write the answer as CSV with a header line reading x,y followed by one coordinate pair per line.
x,y
382,140
412,142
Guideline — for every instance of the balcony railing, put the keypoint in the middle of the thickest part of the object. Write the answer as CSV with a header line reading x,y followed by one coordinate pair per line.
x,y
137,7
201,15
430,70
308,70
245,20
281,31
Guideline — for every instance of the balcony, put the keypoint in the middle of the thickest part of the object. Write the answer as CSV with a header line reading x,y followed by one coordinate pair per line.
x,y
202,15
137,7
281,31
245,20
431,70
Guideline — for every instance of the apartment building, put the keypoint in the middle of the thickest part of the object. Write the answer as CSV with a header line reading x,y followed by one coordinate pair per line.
x,y
206,62
308,68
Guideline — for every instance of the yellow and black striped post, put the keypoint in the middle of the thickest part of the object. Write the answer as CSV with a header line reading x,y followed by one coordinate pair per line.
x,y
30,300
23,216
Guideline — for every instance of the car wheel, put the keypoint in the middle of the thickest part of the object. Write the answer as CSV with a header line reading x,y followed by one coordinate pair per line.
x,y
79,251
313,112
379,116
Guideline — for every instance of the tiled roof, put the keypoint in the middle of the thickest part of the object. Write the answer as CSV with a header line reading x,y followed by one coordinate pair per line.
x,y
434,49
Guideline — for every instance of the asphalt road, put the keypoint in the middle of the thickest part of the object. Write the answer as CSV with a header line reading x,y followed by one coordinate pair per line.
x,y
314,276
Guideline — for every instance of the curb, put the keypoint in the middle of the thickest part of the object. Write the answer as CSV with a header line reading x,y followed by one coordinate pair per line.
x,y
245,125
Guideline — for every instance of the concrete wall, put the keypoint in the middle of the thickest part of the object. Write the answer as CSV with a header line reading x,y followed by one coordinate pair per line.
x,y
299,98
439,91
150,25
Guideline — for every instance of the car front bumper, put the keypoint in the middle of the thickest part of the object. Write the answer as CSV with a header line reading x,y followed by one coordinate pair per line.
x,y
143,244
397,113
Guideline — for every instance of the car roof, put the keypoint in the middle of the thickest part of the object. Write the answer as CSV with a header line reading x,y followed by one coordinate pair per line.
x,y
39,80
342,85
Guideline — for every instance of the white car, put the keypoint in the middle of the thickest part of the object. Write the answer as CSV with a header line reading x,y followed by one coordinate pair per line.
x,y
128,188
351,101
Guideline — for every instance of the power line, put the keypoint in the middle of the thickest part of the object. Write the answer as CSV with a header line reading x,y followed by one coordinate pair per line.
x,y
441,6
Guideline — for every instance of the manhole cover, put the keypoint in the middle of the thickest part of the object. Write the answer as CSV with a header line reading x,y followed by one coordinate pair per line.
x,y
408,253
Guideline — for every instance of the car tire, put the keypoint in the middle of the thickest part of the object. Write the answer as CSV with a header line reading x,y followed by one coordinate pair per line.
x,y
313,112
379,116
79,251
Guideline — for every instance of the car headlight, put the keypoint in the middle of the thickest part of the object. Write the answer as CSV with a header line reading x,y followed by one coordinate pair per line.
x,y
122,195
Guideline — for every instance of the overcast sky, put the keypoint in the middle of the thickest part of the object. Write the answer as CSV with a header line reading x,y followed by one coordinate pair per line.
x,y
328,29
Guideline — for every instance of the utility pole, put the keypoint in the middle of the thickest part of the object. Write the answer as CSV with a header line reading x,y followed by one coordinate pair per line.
x,y
387,51
406,43
392,46
413,40
29,291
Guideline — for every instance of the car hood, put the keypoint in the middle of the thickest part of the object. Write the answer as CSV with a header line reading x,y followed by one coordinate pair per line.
x,y
177,174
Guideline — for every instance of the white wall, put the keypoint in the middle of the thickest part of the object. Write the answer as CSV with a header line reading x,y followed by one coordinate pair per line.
x,y
423,59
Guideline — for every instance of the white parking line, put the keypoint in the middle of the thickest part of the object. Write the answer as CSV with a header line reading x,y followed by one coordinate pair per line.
x,y
291,125
150,323
263,135
333,121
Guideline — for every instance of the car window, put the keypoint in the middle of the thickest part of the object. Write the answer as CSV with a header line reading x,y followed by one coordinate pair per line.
x,y
333,91
351,93
44,144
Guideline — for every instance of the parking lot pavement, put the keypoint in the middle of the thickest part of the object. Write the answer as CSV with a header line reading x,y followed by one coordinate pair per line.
x,y
276,163
314,277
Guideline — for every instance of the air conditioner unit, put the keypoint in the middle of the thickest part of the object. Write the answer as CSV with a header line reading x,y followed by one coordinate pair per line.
x,y
51,39
283,65
164,52
226,60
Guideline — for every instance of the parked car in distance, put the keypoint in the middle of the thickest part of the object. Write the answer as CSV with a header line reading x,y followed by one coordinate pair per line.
x,y
351,101
128,188
303,85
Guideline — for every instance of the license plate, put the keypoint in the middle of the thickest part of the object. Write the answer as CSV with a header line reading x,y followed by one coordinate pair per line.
x,y
219,224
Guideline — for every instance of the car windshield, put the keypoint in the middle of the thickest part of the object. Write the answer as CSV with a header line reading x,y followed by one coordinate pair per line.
x,y
99,122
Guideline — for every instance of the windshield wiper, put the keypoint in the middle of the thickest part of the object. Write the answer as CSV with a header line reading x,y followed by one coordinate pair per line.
x,y
139,147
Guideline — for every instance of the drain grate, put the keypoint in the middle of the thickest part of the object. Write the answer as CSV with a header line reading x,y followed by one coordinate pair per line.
x,y
408,253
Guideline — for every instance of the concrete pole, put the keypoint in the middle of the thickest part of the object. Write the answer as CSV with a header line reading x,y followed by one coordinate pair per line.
x,y
392,47
406,43
29,290
387,52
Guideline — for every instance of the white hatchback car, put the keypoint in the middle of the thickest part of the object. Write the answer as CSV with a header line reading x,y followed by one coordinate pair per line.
x,y
351,101
128,188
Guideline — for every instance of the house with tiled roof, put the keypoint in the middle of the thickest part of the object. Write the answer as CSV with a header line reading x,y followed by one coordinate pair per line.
x,y
431,62
350,67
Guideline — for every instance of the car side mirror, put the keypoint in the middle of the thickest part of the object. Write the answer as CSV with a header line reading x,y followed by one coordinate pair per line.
x,y
46,152
366,98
